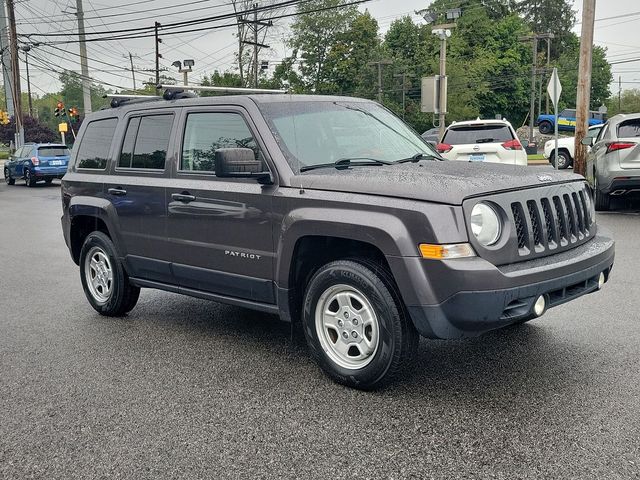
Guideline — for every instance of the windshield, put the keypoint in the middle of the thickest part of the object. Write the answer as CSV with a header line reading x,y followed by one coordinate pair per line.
x,y
323,132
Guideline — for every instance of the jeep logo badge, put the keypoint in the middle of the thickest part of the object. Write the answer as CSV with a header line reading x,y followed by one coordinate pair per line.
x,y
545,178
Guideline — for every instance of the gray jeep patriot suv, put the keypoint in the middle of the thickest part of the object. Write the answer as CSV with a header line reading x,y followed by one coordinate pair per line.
x,y
325,210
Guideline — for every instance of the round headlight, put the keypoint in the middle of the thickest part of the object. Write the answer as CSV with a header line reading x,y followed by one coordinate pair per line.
x,y
485,224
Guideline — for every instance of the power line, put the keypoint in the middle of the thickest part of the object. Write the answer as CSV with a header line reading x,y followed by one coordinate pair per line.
x,y
192,30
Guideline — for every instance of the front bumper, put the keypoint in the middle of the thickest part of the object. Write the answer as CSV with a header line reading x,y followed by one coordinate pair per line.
x,y
467,297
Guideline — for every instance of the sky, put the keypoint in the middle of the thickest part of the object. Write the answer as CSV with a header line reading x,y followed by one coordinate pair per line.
x,y
109,61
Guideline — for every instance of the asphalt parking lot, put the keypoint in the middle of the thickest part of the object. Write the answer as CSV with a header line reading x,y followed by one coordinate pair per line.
x,y
185,388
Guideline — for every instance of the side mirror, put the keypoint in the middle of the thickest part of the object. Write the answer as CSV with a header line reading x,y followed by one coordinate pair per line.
x,y
240,163
588,141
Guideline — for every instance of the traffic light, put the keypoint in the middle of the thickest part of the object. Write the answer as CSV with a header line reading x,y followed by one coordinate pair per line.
x,y
73,114
59,110
4,118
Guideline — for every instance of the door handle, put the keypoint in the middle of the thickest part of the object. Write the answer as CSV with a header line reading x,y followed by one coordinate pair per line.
x,y
183,197
119,191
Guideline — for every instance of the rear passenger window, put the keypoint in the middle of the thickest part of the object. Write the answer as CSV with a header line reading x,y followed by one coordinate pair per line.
x,y
93,151
207,132
145,142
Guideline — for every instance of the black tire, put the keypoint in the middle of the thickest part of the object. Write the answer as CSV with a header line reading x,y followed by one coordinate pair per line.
x,y
545,127
602,200
564,160
397,337
123,296
9,180
29,179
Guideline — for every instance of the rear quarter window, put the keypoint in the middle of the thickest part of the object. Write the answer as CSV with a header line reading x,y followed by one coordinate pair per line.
x,y
477,134
93,152
629,128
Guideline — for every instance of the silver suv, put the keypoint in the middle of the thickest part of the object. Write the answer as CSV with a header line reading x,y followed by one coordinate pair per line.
x,y
613,165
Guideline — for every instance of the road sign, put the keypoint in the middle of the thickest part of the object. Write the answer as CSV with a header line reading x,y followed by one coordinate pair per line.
x,y
554,89
63,127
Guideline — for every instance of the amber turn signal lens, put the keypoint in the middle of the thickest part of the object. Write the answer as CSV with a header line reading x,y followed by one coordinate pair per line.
x,y
443,252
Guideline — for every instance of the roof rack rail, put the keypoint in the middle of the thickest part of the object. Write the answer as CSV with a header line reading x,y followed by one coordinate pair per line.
x,y
173,91
121,99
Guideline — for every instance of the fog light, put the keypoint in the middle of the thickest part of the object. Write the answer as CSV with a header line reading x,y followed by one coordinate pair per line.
x,y
540,306
601,280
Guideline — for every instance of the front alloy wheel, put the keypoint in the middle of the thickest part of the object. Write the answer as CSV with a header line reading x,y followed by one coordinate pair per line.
x,y
347,326
356,325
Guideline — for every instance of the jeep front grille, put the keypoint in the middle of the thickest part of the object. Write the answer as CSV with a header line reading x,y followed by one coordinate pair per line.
x,y
539,221
558,220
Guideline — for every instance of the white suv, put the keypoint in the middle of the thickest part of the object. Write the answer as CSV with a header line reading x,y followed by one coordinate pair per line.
x,y
482,141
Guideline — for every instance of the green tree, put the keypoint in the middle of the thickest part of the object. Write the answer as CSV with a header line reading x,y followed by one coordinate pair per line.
x,y
347,72
568,72
314,33
554,16
629,102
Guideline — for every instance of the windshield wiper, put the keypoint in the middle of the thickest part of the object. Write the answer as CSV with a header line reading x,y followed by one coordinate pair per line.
x,y
343,163
485,140
417,157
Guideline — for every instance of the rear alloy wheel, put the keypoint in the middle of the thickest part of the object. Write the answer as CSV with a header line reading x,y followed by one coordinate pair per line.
x,y
602,200
29,179
545,127
9,180
105,283
355,324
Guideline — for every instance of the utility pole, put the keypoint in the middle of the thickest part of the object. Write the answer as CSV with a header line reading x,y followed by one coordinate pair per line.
x,y
256,45
380,64
26,49
158,55
133,72
620,94
86,81
5,59
534,70
404,77
442,32
549,38
15,67
532,107
584,84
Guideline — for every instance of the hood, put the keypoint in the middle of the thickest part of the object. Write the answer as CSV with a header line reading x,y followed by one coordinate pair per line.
x,y
562,141
433,181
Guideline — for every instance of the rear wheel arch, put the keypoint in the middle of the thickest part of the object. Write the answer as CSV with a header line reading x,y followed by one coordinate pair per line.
x,y
81,227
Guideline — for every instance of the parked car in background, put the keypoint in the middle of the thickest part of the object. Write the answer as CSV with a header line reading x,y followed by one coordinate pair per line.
x,y
37,162
567,121
482,141
613,165
566,148
432,136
